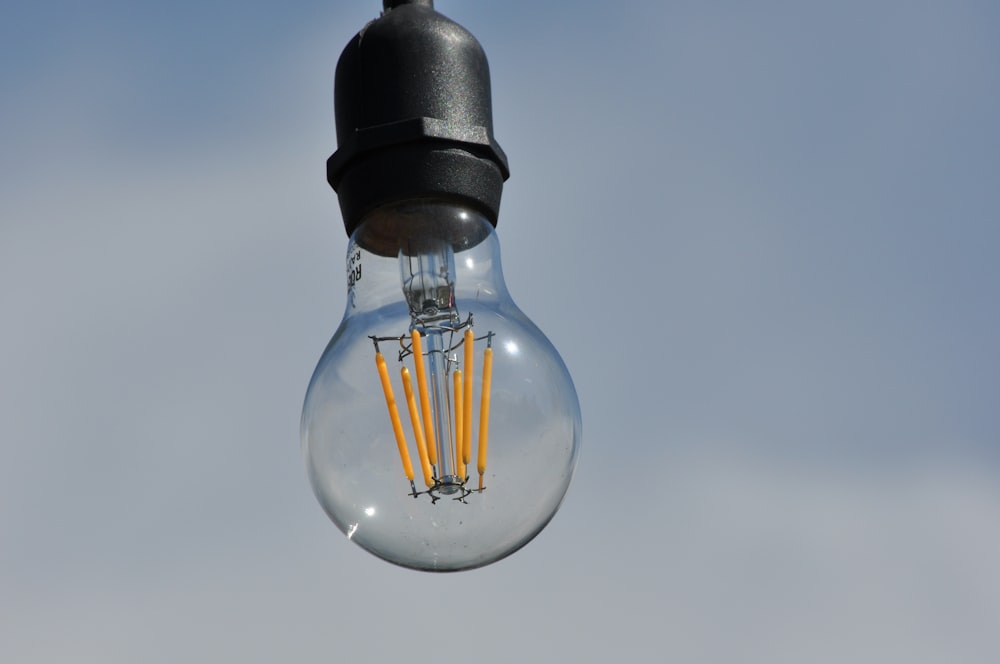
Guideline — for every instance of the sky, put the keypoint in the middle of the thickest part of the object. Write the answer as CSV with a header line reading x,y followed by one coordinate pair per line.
x,y
762,235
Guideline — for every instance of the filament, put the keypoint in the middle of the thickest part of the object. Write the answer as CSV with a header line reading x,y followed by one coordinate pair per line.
x,y
418,431
425,402
445,469
484,413
397,426
467,400
459,443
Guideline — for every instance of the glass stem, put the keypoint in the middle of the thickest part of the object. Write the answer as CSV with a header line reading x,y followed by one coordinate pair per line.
x,y
441,408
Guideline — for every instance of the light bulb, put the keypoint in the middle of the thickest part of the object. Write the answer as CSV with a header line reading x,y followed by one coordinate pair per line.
x,y
441,428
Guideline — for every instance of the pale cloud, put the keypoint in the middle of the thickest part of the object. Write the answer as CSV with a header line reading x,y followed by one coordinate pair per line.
x,y
783,339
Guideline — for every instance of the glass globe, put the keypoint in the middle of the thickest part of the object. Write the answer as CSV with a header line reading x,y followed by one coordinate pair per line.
x,y
441,428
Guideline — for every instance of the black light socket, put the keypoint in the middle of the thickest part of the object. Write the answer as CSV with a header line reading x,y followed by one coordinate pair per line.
x,y
414,116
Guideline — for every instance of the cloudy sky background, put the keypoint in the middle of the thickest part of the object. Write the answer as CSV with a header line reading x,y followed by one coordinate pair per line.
x,y
764,236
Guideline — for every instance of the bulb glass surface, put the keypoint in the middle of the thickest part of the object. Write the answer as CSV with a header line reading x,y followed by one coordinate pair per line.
x,y
469,376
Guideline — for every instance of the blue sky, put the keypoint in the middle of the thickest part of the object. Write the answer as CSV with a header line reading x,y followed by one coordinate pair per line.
x,y
763,236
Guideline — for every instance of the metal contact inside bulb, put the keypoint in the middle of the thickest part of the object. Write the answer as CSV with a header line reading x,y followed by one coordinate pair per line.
x,y
427,272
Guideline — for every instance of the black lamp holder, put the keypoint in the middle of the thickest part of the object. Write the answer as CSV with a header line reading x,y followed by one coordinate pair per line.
x,y
414,116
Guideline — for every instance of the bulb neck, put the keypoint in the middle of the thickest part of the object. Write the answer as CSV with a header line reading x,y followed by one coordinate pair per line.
x,y
427,273
426,257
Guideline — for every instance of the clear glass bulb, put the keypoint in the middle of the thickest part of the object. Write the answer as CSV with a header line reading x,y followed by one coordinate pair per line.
x,y
441,428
